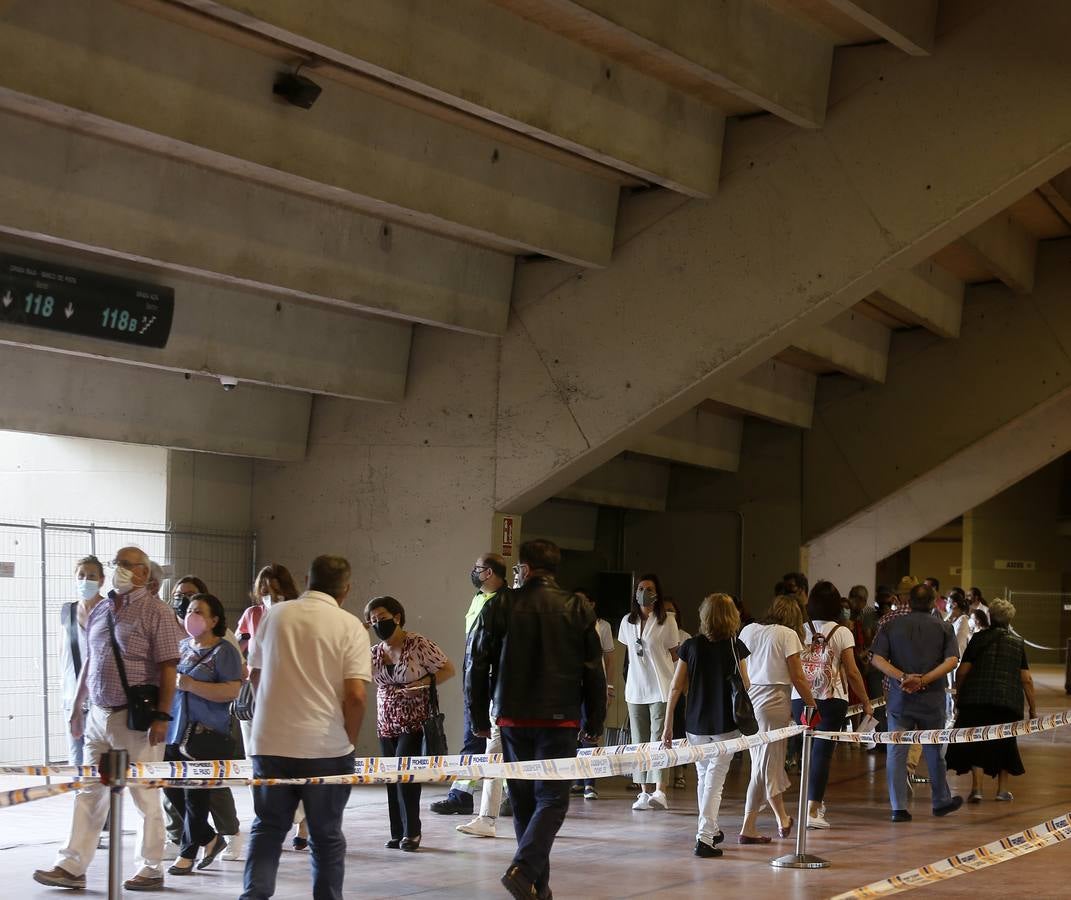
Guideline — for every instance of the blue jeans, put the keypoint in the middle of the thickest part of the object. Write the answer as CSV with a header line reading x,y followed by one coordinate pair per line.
x,y
473,746
275,807
833,715
896,757
539,807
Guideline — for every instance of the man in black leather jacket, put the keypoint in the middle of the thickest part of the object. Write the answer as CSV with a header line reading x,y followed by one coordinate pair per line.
x,y
536,661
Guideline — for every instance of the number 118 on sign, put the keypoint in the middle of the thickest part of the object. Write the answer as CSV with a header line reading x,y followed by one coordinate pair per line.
x,y
118,320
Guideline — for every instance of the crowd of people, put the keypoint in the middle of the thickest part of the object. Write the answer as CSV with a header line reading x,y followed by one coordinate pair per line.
x,y
171,682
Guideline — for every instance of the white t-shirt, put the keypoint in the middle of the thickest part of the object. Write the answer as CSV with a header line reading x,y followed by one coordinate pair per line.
x,y
962,629
841,641
649,676
770,647
305,650
606,635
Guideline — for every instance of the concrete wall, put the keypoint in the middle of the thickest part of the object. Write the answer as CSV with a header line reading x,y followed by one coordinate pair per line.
x,y
403,491
1023,523
48,477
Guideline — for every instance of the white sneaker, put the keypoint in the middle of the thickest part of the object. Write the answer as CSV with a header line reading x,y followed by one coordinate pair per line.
x,y
481,826
235,846
658,800
818,820
643,801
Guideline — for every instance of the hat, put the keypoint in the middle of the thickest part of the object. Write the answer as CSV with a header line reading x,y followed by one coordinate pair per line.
x,y
907,583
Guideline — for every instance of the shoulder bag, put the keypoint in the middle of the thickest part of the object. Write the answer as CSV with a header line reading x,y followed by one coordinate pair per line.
x,y
743,709
243,706
434,724
72,636
141,699
197,740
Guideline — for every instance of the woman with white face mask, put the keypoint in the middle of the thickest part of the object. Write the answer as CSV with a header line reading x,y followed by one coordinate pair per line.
x,y
650,635
89,583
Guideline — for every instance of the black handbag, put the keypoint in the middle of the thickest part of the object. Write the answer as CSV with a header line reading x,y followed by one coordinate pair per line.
x,y
243,705
197,740
743,709
434,724
141,699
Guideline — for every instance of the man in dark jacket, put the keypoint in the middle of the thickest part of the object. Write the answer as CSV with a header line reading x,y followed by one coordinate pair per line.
x,y
535,662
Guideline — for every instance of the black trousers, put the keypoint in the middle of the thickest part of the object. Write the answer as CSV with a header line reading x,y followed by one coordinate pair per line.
x,y
403,799
192,806
539,807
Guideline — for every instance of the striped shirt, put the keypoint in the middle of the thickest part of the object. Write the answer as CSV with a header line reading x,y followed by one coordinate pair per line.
x,y
148,634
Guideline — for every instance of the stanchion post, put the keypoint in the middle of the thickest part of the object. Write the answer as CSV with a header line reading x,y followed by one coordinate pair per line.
x,y
801,859
113,768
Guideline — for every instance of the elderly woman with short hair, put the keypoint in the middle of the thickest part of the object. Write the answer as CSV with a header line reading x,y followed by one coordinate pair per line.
x,y
992,679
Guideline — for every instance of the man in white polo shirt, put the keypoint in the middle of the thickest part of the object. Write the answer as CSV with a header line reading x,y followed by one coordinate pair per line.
x,y
309,667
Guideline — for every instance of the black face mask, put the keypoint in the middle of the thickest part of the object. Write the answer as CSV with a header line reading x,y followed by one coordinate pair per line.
x,y
474,577
384,628
180,606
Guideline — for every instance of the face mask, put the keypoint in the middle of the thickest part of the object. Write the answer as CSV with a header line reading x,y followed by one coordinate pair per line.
x,y
474,577
384,628
88,588
180,605
123,581
646,598
195,625
518,576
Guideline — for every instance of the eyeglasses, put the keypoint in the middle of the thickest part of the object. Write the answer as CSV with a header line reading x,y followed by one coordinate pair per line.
x,y
477,569
125,564
639,647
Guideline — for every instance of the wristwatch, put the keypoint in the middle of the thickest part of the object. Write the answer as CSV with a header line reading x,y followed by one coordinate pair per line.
x,y
160,716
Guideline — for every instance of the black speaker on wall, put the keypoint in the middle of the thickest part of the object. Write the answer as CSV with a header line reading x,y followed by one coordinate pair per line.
x,y
296,89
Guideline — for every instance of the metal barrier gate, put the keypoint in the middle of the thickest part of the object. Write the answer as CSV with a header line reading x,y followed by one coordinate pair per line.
x,y
37,564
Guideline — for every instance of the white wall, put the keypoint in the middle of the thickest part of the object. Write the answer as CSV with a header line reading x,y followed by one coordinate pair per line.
x,y
46,477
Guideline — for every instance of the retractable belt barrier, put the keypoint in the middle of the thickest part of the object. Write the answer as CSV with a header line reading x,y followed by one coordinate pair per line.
x,y
39,792
1011,847
950,735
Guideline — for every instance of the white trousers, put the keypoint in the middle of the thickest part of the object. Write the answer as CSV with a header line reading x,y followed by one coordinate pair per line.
x,y
491,797
712,772
105,732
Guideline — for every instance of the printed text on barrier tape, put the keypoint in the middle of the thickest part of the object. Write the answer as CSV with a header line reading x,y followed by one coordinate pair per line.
x,y
593,762
1015,845
951,735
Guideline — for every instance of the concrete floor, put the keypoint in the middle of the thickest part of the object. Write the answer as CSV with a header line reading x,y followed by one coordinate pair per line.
x,y
606,850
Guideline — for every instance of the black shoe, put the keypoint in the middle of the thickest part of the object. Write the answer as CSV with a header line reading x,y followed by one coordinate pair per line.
x,y
301,843
411,844
576,789
702,848
212,851
393,844
900,815
718,838
950,807
450,805
519,886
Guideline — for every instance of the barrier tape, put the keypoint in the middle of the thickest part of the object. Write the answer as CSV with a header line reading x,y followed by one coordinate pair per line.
x,y
38,792
1044,835
592,762
951,735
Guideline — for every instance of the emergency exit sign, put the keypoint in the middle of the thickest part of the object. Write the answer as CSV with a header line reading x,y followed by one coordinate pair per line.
x,y
1019,565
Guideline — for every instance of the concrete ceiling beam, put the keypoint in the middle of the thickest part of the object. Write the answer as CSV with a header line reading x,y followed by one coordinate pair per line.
x,y
352,148
93,399
471,56
775,391
67,189
852,343
741,53
926,295
1057,192
907,24
698,438
624,482
1006,249
806,225
257,339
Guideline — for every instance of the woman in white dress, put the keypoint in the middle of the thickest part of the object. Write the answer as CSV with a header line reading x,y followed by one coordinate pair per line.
x,y
774,668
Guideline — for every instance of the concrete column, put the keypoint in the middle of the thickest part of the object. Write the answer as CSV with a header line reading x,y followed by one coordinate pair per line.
x,y
405,492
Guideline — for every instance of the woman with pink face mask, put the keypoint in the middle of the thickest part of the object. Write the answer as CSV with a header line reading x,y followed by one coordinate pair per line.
x,y
209,678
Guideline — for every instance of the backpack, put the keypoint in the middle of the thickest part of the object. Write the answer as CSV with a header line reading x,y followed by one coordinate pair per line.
x,y
820,663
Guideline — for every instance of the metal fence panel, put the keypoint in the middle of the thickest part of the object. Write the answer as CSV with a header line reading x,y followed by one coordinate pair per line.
x,y
41,559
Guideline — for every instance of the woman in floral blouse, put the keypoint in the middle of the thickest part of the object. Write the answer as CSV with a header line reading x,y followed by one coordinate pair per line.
x,y
404,664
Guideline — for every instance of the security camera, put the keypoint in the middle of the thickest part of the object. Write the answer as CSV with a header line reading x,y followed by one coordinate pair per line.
x,y
229,382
